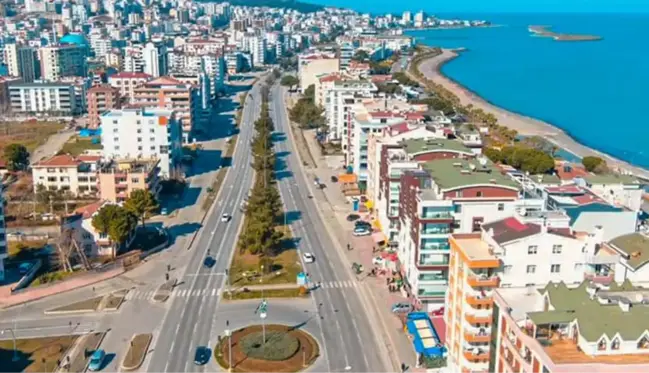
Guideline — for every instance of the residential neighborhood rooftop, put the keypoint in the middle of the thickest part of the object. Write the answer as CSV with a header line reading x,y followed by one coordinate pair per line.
x,y
416,146
454,173
610,179
635,246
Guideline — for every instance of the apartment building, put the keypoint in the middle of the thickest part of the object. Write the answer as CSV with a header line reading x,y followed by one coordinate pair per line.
x,y
77,175
21,61
558,328
339,101
311,66
618,190
100,99
3,236
50,98
92,242
118,179
63,60
447,196
143,134
126,82
172,94
323,84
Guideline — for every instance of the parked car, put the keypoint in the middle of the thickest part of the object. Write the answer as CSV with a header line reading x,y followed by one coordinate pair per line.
x,y
361,232
334,179
202,355
164,211
353,217
96,360
402,308
308,258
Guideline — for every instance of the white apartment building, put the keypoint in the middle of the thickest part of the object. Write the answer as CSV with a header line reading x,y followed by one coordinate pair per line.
x,y
20,62
155,59
67,173
3,236
133,59
100,43
338,103
618,190
147,133
258,50
63,60
126,82
52,98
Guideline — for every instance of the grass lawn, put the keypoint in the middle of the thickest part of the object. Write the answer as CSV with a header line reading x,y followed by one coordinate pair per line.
x,y
114,300
30,133
270,293
49,277
84,305
136,351
245,268
35,355
78,145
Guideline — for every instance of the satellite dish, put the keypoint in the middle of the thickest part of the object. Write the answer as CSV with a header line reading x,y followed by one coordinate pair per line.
x,y
483,161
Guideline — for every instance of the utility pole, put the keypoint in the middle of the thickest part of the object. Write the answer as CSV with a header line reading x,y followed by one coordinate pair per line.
x,y
13,337
228,333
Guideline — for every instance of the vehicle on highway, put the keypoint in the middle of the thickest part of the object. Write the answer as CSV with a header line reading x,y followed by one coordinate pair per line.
x,y
209,262
401,308
225,218
358,232
308,258
96,360
23,268
202,355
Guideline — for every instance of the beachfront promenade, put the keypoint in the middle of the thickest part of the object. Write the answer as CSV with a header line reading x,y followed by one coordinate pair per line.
x,y
525,126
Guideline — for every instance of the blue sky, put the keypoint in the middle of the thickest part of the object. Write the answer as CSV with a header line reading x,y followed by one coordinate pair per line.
x,y
478,6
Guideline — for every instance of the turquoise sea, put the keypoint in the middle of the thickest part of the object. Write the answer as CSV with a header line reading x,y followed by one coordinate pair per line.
x,y
595,91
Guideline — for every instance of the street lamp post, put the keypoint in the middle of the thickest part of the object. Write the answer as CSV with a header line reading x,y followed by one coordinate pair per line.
x,y
13,337
303,357
228,333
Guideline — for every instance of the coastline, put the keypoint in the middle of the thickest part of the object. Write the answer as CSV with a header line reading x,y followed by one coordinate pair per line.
x,y
525,125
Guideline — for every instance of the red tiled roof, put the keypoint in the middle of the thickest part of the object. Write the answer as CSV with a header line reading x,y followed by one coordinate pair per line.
x,y
414,116
568,171
587,199
510,229
129,75
164,80
89,158
399,128
63,160
331,78
88,210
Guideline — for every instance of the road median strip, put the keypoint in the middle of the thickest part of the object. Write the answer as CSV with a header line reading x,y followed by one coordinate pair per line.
x,y
106,302
163,292
136,352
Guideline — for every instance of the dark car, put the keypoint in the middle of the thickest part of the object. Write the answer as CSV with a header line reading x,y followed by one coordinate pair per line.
x,y
202,355
353,217
362,224
209,262
334,179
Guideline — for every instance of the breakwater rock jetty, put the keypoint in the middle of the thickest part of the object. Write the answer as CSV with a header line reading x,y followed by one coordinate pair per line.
x,y
546,32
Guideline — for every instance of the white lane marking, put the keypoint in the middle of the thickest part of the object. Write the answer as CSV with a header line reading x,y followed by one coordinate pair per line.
x,y
213,292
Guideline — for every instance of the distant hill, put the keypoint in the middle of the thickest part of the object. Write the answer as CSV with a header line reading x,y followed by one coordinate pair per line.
x,y
290,4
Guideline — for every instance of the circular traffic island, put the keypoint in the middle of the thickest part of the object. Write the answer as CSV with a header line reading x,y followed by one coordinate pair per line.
x,y
286,349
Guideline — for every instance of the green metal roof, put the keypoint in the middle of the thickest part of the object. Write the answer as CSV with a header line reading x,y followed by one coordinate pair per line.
x,y
594,319
414,146
610,179
454,173
636,246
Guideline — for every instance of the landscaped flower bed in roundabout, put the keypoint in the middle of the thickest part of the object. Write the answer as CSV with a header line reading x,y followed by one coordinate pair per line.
x,y
286,349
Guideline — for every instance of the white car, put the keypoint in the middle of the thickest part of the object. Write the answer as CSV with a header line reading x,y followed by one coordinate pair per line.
x,y
308,258
225,218
361,232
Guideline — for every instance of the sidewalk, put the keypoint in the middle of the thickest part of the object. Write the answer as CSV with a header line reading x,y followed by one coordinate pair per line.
x,y
335,208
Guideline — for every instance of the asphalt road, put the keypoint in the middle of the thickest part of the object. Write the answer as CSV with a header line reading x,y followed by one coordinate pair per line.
x,y
188,322
348,338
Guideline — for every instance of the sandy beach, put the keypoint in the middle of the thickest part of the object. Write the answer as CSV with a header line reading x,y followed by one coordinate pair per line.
x,y
524,125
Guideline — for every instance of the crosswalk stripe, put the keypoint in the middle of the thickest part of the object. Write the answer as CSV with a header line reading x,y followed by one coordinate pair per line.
x,y
213,292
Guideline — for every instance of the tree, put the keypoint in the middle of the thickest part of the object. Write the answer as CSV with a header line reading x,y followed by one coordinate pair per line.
x,y
17,157
361,56
141,203
289,81
115,222
594,164
309,92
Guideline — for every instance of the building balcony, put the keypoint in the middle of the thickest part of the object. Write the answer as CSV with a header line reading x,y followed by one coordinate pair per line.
x,y
476,337
482,356
481,301
600,278
445,215
474,319
483,280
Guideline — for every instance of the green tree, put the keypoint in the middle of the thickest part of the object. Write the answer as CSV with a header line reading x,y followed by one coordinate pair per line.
x,y
115,222
495,155
141,203
593,164
289,81
17,157
361,56
309,92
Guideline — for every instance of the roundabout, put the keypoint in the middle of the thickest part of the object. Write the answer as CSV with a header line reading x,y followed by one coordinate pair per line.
x,y
286,349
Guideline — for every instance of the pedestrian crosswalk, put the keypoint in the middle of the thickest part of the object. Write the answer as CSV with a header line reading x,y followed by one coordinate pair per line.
x,y
135,294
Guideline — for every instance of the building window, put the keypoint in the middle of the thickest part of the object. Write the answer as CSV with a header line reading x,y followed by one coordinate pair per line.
x,y
507,269
501,207
555,268
116,148
139,139
477,224
556,249
458,209
531,269
151,130
139,130
579,267
458,194
601,345
478,194
152,148
615,345
116,139
139,148
531,250
152,139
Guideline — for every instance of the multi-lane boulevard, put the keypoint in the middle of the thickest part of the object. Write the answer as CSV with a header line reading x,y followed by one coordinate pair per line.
x,y
188,322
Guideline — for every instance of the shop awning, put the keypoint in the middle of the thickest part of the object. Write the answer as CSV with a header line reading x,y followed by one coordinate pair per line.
x,y
347,178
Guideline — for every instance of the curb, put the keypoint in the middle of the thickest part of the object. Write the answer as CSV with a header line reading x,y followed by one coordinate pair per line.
x,y
139,363
345,260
